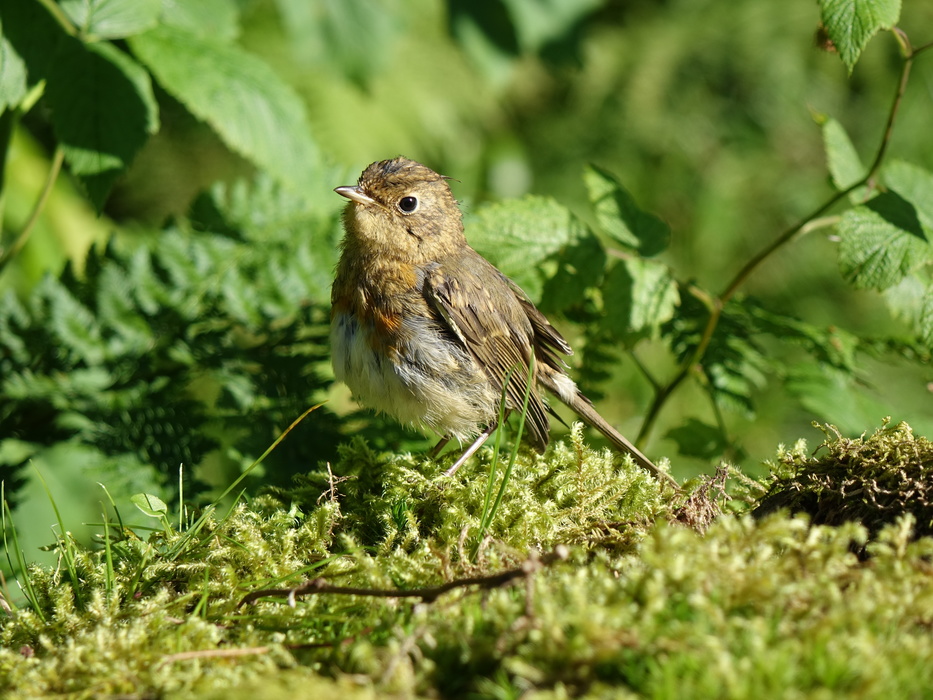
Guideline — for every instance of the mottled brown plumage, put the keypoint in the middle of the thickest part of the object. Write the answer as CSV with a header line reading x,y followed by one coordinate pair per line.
x,y
425,329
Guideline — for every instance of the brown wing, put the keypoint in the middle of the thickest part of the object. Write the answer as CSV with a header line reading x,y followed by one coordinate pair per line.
x,y
478,304
549,342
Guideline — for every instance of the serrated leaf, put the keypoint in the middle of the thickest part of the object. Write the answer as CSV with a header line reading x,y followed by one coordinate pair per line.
x,y
914,184
151,505
518,235
620,217
639,296
103,110
112,19
850,24
843,160
242,98
881,242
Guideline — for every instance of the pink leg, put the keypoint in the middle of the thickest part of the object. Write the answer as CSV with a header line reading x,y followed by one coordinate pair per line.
x,y
483,437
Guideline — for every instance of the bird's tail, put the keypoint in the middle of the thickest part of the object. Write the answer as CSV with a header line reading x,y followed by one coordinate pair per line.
x,y
581,405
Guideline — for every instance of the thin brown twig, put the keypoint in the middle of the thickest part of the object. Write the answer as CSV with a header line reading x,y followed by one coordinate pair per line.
x,y
427,594
211,654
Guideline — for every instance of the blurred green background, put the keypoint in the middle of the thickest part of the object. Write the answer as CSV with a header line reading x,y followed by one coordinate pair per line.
x,y
706,110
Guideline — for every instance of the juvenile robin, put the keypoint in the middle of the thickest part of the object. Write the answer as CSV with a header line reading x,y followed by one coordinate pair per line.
x,y
425,329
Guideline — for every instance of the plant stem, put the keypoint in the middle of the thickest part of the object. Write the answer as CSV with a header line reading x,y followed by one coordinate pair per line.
x,y
54,170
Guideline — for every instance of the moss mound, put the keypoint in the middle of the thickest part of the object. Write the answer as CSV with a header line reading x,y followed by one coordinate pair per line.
x,y
871,480
631,603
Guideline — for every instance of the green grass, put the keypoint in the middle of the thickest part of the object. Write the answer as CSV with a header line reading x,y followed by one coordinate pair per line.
x,y
641,606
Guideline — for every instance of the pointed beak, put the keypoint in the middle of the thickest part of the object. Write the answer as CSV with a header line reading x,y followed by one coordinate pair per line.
x,y
354,193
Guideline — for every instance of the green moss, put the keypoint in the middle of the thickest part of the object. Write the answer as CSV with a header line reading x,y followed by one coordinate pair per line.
x,y
643,606
873,480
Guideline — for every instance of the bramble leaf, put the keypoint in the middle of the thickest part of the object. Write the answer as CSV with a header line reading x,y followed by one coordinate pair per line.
x,y
112,19
852,23
881,242
915,185
518,236
103,111
216,19
243,99
843,160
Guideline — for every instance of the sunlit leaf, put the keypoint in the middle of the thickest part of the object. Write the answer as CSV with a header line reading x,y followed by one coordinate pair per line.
x,y
845,166
112,19
519,235
242,98
852,23
881,242
151,505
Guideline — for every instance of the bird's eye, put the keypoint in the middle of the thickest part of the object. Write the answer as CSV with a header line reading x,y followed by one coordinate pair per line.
x,y
408,204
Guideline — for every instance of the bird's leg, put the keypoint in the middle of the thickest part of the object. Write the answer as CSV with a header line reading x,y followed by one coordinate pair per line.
x,y
483,437
436,450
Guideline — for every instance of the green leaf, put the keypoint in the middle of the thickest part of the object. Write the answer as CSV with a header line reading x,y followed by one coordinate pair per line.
x,y
153,506
881,242
925,322
620,217
538,23
834,395
845,166
850,24
580,267
242,98
697,439
519,235
29,38
355,37
639,296
76,331
103,110
217,19
112,19
906,299
914,184
13,75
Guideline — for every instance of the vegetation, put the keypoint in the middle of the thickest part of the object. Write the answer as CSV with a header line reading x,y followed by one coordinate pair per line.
x,y
731,223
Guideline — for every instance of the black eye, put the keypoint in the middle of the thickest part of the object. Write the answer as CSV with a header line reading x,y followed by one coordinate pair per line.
x,y
408,204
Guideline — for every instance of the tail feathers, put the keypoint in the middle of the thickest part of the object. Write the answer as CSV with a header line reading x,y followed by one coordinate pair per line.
x,y
583,408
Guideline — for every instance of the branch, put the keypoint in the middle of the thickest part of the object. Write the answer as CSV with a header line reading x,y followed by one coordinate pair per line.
x,y
533,563
803,225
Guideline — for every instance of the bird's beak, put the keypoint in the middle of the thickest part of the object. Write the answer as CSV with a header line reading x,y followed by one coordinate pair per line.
x,y
353,192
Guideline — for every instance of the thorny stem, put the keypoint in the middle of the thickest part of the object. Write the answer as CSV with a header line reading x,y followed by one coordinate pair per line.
x,y
717,304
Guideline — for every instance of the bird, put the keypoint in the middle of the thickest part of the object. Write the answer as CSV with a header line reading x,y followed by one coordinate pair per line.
x,y
426,330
